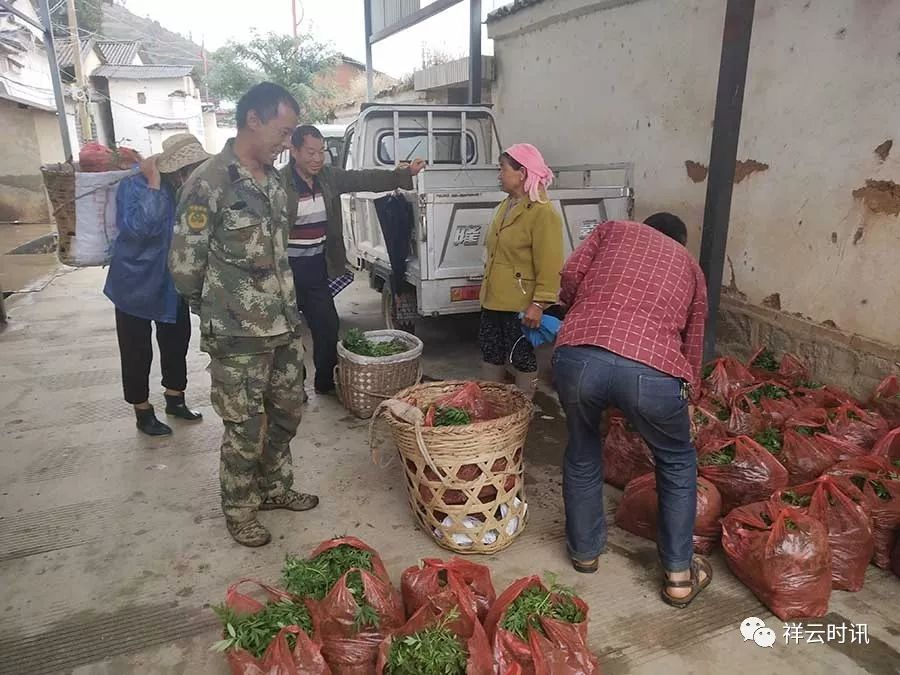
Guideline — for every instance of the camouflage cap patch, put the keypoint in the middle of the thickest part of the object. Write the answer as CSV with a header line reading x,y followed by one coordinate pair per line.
x,y
197,217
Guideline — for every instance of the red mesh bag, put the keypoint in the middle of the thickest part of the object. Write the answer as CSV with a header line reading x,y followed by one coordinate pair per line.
x,y
465,626
728,376
562,650
886,400
625,454
879,482
306,657
419,584
889,447
847,520
782,555
804,458
751,476
639,509
471,399
859,427
706,427
349,647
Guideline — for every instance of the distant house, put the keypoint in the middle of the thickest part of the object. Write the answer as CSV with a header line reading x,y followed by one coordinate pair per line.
x,y
27,117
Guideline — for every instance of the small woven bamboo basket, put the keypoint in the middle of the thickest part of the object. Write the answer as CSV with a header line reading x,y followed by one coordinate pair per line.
x,y
466,483
363,382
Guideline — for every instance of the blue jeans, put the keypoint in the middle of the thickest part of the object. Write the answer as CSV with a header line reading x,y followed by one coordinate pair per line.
x,y
590,380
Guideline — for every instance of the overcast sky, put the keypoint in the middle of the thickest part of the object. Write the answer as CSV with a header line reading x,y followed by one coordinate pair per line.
x,y
339,22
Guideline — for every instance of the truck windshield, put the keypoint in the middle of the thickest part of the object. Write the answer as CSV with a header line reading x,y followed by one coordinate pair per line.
x,y
414,144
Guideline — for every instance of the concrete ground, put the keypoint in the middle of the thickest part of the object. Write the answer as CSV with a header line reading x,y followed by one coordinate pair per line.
x,y
112,545
27,257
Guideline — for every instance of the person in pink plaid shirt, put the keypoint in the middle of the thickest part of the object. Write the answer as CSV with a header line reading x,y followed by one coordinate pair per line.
x,y
632,339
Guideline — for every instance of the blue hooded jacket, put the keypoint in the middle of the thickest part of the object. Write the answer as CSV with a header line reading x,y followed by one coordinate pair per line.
x,y
139,282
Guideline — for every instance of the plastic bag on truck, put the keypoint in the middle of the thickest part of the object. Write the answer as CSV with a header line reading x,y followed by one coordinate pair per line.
x,y
879,482
418,584
638,512
839,507
782,555
352,627
555,648
625,454
304,659
886,400
742,470
458,621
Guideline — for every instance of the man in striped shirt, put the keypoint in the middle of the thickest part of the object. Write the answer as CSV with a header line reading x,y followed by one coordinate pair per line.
x,y
316,242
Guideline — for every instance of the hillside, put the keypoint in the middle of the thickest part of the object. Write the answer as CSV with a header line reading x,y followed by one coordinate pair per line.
x,y
158,44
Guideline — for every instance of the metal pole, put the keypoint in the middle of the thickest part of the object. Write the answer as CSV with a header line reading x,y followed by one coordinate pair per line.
x,y
723,155
370,76
83,117
474,52
294,16
55,79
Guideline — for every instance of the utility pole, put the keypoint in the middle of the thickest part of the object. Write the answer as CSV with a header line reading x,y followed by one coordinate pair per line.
x,y
475,52
81,105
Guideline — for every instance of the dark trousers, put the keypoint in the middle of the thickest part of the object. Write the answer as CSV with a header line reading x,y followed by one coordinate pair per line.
x,y
317,305
589,380
136,353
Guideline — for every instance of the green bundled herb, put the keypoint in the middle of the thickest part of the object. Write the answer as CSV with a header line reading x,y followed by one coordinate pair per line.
x,y
810,431
810,384
878,487
358,343
433,651
700,419
314,578
254,632
719,458
766,361
794,499
708,370
452,417
771,439
788,523
722,412
771,391
533,603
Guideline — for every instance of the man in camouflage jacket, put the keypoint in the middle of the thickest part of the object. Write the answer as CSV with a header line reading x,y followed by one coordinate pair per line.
x,y
229,260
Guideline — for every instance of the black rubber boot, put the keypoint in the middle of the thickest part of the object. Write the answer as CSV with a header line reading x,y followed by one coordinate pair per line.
x,y
148,424
175,406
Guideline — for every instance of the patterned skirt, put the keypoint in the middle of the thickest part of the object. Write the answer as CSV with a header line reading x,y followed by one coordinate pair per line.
x,y
503,342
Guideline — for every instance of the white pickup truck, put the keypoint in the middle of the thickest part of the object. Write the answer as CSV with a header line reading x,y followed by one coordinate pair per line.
x,y
453,203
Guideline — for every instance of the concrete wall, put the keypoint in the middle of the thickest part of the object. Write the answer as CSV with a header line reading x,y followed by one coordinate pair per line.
x,y
815,214
130,118
22,195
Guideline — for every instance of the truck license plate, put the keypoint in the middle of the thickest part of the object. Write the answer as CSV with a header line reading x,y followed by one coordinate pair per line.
x,y
587,226
462,293
467,235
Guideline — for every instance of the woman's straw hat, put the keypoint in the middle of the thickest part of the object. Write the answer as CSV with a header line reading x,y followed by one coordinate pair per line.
x,y
179,151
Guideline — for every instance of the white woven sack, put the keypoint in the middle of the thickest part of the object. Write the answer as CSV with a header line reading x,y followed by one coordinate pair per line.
x,y
95,217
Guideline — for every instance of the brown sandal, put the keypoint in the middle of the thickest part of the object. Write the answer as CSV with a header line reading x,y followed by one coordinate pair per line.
x,y
698,564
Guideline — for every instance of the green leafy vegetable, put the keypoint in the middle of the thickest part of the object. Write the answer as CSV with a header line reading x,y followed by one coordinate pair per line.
x,y
533,603
792,498
722,412
358,343
435,650
771,391
254,632
708,370
878,487
700,419
810,431
314,578
766,361
719,458
810,384
771,439
452,417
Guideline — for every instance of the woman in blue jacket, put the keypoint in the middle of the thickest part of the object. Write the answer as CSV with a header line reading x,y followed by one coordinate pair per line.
x,y
141,288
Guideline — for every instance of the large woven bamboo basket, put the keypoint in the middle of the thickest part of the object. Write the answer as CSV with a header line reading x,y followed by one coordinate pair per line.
x,y
466,484
363,382
59,181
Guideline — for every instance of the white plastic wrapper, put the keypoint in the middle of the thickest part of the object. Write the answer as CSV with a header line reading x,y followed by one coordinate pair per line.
x,y
95,217
490,536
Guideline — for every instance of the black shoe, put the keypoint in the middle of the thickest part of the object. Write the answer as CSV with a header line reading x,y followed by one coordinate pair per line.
x,y
175,406
148,424
330,390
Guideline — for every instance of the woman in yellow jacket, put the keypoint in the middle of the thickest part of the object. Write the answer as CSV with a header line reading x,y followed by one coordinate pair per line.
x,y
521,272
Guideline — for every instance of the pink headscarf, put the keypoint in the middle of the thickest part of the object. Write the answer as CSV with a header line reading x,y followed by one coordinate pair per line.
x,y
539,175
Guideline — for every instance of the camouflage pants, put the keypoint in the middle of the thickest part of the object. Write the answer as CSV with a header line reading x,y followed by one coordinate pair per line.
x,y
259,398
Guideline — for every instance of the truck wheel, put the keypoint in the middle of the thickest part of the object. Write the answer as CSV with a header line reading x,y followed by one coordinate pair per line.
x,y
389,313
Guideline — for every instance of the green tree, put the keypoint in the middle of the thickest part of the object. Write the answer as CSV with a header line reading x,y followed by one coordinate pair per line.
x,y
90,18
292,63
